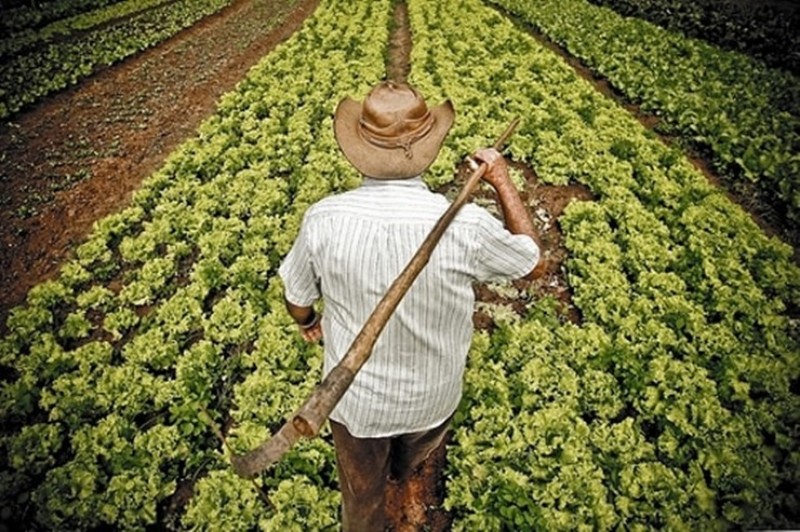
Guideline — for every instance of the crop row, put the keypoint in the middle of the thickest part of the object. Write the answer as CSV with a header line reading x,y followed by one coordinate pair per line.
x,y
36,14
759,30
672,405
166,314
747,115
15,43
33,74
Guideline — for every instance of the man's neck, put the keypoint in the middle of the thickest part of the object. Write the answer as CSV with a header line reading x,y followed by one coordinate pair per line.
x,y
415,182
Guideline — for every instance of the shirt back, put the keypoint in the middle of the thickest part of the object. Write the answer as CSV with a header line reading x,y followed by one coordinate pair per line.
x,y
350,249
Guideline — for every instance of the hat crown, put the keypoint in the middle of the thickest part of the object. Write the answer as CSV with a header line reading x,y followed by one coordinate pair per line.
x,y
390,104
394,115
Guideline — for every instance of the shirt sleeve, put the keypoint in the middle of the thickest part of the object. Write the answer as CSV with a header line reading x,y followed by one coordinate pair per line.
x,y
300,279
501,255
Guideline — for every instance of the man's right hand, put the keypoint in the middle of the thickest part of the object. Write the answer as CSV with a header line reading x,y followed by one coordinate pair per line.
x,y
496,173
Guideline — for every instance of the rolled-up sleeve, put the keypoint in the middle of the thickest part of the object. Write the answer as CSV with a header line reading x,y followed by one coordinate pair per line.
x,y
300,279
501,255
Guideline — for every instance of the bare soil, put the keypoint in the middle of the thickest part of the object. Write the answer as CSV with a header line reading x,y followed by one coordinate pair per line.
x,y
417,503
80,154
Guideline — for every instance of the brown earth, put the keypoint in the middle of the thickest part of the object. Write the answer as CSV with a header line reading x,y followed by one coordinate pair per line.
x,y
398,65
417,503
80,154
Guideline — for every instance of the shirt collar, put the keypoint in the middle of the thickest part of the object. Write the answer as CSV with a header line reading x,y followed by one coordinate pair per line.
x,y
409,182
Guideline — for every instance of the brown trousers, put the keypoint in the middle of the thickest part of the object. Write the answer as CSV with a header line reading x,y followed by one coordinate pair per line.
x,y
365,465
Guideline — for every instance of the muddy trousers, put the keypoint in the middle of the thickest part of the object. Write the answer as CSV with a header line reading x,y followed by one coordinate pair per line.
x,y
365,465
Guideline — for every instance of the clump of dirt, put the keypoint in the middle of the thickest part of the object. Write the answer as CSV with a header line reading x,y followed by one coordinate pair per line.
x,y
546,204
79,155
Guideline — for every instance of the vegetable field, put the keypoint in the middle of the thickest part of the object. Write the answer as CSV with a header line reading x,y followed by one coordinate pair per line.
x,y
746,114
674,402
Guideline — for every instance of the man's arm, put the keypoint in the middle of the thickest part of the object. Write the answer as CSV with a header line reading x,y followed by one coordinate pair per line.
x,y
307,320
517,218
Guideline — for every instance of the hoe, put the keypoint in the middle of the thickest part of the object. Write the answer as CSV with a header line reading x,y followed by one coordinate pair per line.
x,y
309,418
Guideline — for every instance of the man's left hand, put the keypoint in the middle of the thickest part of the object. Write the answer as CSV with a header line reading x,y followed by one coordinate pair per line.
x,y
312,333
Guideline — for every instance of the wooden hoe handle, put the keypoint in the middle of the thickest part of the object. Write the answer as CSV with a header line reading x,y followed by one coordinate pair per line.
x,y
310,417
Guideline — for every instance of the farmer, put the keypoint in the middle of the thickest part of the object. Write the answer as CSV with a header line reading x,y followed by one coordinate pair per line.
x,y
352,246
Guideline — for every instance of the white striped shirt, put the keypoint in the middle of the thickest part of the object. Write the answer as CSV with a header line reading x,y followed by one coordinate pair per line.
x,y
350,249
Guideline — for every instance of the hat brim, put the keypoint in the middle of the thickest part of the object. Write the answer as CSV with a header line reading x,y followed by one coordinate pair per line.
x,y
389,163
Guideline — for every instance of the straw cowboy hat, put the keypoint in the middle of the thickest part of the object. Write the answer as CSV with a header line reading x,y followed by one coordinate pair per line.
x,y
392,134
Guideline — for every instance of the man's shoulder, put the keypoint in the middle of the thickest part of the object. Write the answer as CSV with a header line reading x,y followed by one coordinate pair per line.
x,y
333,203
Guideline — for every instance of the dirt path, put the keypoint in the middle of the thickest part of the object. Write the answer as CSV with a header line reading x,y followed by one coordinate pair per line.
x,y
79,155
398,64
417,505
